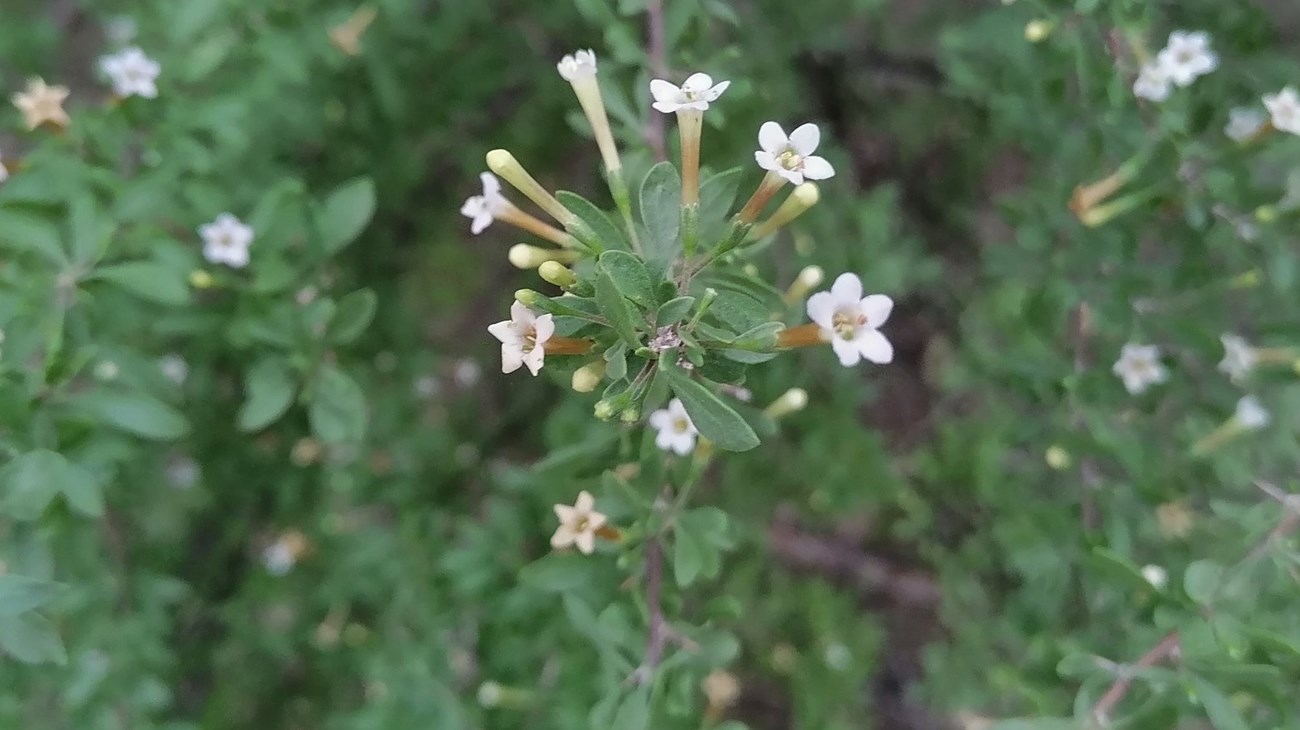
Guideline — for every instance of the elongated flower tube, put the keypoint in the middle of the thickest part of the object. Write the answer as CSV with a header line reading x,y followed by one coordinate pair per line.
x,y
792,401
1087,201
508,168
804,197
689,102
579,69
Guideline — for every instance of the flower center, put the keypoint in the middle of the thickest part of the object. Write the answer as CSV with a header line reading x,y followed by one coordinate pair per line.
x,y
528,341
847,322
789,159
681,425
582,524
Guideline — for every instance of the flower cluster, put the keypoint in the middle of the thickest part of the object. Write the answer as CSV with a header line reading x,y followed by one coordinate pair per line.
x,y
1186,57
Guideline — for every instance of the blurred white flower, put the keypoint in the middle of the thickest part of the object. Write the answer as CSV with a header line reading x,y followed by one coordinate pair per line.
x,y
1238,356
280,556
182,471
1139,367
721,688
1187,56
426,387
174,368
226,241
1153,83
466,373
132,73
1156,576
523,338
577,65
676,432
483,209
106,370
696,93
1244,123
489,694
1284,110
578,524
41,103
791,156
120,30
1251,414
850,321
837,656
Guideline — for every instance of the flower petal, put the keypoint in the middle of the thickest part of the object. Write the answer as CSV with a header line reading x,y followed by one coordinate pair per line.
x,y
877,307
480,223
543,328
817,168
565,514
586,542
766,160
821,309
511,357
794,177
684,443
521,315
661,420
534,360
847,289
874,346
847,351
491,185
596,520
697,82
667,107
503,331
563,537
585,502
663,91
716,91
772,138
805,139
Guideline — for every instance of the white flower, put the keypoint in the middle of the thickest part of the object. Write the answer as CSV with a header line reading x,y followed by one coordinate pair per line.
x,y
523,338
466,373
577,65
1187,56
483,209
1244,123
676,432
1284,110
106,370
426,387
1139,367
41,103
182,471
792,157
174,368
226,241
850,321
1251,414
278,558
695,94
132,73
1156,576
1238,356
1152,83
578,524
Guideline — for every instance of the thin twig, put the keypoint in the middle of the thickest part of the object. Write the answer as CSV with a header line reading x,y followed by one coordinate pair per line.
x,y
655,134
654,648
1166,648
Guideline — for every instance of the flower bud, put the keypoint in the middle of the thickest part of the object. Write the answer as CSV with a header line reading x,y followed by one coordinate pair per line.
x,y
792,401
604,410
526,256
558,274
1057,458
809,278
528,297
200,279
587,378
801,199
1036,31
508,168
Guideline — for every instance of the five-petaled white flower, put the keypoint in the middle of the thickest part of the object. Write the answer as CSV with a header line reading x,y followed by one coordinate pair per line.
x,y
1139,367
523,338
174,368
851,321
578,524
1187,56
1153,83
696,93
41,103
1284,110
1238,356
792,157
1251,414
676,432
1244,123
132,73
579,64
226,241
483,209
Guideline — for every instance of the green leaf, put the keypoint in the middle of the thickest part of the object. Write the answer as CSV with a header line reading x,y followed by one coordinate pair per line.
x,y
712,418
1201,581
717,195
148,280
21,593
90,230
135,413
558,573
1218,707
738,312
616,359
634,713
31,481
622,317
23,231
674,311
629,276
607,232
688,558
346,213
30,638
1037,723
85,496
661,203
269,390
354,313
338,408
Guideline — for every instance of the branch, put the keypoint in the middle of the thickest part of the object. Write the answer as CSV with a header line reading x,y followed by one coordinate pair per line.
x,y
654,649
654,134
870,575
1166,648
